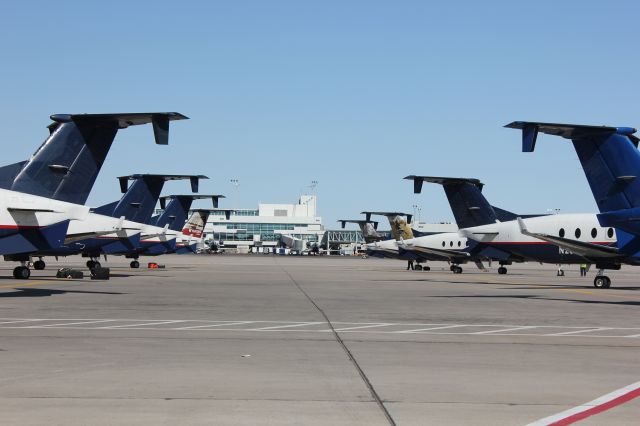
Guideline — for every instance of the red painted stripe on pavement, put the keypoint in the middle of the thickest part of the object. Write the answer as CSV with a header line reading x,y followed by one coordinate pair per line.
x,y
599,408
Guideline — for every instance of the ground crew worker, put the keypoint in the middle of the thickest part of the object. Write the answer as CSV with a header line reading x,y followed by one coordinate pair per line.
x,y
410,265
583,269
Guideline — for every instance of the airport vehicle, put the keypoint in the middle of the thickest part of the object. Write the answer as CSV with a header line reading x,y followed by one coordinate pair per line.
x,y
63,169
610,160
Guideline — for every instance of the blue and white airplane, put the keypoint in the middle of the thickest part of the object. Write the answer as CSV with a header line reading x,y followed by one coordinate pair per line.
x,y
611,162
63,171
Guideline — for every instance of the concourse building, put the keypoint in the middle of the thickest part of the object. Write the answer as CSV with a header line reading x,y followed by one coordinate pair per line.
x,y
261,229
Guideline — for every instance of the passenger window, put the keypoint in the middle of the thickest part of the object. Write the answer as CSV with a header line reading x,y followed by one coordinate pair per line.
x,y
594,233
561,233
443,244
610,232
578,233
459,244
450,243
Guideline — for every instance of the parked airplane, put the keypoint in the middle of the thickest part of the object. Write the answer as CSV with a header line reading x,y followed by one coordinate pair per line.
x,y
368,228
610,160
62,170
159,236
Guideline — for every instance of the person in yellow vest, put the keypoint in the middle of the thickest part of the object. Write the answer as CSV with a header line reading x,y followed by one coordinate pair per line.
x,y
583,269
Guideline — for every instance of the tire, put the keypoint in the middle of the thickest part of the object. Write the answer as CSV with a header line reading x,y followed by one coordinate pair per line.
x,y
134,264
96,265
457,270
502,270
426,268
608,282
601,282
418,268
21,273
39,265
90,264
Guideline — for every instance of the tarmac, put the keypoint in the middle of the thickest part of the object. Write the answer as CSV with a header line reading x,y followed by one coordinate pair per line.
x,y
272,340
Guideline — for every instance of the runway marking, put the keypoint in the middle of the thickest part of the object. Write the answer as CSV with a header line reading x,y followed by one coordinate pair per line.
x,y
384,324
20,283
417,330
524,327
71,323
228,323
286,326
597,406
142,325
549,331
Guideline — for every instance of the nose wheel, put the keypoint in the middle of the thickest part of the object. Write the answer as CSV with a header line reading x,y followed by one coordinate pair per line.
x,y
502,270
91,264
134,264
39,265
456,269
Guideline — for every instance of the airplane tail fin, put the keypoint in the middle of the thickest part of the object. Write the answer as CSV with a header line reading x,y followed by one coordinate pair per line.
x,y
470,208
196,223
176,210
399,222
141,196
66,165
609,158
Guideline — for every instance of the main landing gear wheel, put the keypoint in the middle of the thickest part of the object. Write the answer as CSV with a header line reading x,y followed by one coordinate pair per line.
x,y
90,264
426,268
602,281
21,273
418,267
39,265
456,269
502,270
134,264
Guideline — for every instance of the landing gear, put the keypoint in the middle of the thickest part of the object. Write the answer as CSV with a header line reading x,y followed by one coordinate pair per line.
x,y
39,265
91,264
134,264
419,268
560,272
601,280
21,273
456,269
502,270
426,268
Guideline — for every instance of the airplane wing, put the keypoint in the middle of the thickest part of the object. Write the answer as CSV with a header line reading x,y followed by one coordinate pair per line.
x,y
581,248
447,254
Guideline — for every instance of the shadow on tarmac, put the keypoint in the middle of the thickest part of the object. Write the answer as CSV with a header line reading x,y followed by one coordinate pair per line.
x,y
44,292
535,297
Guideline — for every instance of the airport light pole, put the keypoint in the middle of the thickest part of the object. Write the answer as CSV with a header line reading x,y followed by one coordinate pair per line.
x,y
236,184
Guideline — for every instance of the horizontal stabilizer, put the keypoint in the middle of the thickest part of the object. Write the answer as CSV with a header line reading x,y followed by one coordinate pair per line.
x,y
160,121
214,198
418,180
194,179
530,130
368,215
30,210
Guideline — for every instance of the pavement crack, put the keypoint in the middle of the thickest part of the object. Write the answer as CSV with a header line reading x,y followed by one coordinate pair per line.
x,y
354,362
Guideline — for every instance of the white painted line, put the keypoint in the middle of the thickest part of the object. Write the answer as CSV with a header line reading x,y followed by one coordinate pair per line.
x,y
417,330
502,330
598,405
24,320
381,324
276,327
193,327
141,325
566,333
69,323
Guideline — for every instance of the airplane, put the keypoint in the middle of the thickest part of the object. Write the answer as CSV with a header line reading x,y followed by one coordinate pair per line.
x,y
368,228
470,208
40,196
610,160
159,236
125,216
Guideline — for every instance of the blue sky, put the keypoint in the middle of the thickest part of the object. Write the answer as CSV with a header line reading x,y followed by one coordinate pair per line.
x,y
353,94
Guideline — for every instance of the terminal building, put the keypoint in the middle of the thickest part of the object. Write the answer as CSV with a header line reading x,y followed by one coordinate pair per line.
x,y
262,229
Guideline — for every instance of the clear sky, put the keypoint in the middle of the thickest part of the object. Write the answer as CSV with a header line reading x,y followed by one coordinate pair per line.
x,y
353,94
